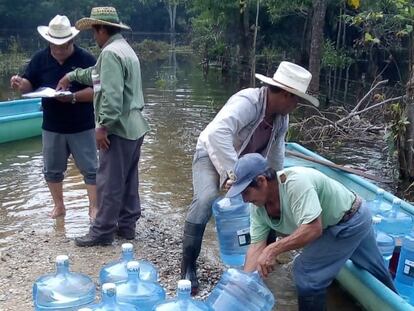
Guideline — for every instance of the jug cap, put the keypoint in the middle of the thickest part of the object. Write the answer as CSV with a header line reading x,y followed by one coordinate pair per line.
x,y
376,219
109,288
184,285
127,247
133,265
62,258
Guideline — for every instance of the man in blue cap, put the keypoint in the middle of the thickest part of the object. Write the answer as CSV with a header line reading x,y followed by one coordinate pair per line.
x,y
316,213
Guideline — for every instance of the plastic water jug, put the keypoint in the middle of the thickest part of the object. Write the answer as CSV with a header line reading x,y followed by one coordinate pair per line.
x,y
109,301
379,204
241,291
116,271
183,301
232,217
395,221
144,295
385,242
404,278
63,290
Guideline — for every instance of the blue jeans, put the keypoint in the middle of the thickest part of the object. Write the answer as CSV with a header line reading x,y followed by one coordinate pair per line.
x,y
319,263
205,188
56,150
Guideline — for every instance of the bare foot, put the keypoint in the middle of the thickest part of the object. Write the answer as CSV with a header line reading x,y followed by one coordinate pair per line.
x,y
92,213
57,212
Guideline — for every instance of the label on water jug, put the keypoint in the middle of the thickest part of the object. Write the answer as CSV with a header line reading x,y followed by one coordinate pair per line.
x,y
244,236
409,267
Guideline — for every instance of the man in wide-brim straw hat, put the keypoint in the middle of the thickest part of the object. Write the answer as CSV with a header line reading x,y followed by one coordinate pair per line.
x,y
252,120
120,127
68,122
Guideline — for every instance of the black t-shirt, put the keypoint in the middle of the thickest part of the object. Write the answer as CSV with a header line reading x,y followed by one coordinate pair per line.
x,y
44,71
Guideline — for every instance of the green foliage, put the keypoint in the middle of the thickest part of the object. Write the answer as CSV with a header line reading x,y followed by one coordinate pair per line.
x,y
278,9
13,60
333,58
397,128
150,50
384,22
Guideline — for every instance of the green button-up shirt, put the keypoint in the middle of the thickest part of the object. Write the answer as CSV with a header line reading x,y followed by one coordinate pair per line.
x,y
118,97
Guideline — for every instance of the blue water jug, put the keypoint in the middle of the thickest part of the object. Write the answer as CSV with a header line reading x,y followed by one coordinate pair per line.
x,y
109,301
63,290
395,221
144,295
241,291
404,278
385,242
116,271
183,301
379,204
232,217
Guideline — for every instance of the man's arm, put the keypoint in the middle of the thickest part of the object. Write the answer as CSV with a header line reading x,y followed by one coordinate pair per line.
x,y
302,236
253,253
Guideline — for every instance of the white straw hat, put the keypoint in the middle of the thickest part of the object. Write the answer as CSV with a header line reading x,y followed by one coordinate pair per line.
x,y
59,30
293,79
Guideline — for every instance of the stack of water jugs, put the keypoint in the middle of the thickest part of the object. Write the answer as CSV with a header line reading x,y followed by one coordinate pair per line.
x,y
394,226
129,284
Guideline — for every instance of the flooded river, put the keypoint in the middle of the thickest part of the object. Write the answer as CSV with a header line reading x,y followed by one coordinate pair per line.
x,y
179,103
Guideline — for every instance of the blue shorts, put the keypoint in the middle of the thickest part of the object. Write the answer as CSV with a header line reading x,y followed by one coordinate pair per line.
x,y
57,148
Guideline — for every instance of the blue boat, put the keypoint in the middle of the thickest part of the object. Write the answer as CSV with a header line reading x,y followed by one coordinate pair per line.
x,y
20,119
365,288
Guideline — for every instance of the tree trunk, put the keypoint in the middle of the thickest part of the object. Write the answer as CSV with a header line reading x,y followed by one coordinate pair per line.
x,y
256,26
405,144
244,32
172,12
315,54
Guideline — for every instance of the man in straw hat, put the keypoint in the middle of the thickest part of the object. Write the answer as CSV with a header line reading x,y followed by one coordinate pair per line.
x,y
252,120
120,127
68,122
330,223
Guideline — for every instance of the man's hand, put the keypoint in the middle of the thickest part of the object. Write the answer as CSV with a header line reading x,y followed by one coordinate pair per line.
x,y
102,140
16,82
63,84
227,184
266,261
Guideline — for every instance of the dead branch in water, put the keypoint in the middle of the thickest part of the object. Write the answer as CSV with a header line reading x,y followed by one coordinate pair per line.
x,y
337,123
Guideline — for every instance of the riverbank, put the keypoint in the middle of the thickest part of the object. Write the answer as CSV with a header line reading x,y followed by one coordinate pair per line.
x,y
32,254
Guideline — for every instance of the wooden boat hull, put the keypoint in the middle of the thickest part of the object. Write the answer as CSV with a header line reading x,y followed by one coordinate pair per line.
x,y
365,288
20,119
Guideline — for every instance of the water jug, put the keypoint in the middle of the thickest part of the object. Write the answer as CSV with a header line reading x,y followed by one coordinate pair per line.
x,y
144,295
395,221
241,291
404,278
232,217
109,301
183,301
379,203
385,242
116,271
63,290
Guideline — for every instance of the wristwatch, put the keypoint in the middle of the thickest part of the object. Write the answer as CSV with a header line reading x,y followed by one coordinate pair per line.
x,y
73,98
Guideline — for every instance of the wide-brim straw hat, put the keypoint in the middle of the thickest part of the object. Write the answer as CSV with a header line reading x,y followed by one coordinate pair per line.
x,y
293,79
59,30
101,16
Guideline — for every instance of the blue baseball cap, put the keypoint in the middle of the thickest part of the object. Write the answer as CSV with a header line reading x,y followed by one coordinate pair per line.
x,y
246,169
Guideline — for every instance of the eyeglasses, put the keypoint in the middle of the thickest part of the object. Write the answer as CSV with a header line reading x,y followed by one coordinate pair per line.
x,y
65,46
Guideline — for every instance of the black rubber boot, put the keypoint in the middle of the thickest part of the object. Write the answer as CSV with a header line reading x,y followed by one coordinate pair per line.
x,y
193,236
312,303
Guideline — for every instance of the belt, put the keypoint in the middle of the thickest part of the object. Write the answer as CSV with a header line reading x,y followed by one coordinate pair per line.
x,y
351,212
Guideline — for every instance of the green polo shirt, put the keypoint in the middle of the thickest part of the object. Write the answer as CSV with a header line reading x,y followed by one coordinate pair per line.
x,y
305,194
118,97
